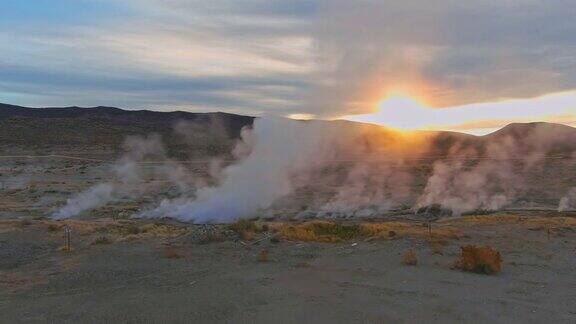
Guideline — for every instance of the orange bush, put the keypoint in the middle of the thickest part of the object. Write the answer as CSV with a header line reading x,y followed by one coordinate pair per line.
x,y
409,258
263,256
172,253
479,259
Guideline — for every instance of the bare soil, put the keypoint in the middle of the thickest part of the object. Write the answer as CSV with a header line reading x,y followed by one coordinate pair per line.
x,y
128,270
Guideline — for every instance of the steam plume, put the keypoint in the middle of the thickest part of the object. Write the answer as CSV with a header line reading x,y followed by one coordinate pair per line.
x,y
568,202
127,176
281,149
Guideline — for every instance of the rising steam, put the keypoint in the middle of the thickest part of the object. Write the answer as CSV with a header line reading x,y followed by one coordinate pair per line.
x,y
281,149
127,179
568,202
334,169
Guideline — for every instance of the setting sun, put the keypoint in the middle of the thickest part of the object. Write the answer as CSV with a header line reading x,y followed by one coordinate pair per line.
x,y
406,113
399,111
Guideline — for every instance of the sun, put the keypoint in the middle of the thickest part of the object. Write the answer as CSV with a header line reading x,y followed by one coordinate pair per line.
x,y
399,111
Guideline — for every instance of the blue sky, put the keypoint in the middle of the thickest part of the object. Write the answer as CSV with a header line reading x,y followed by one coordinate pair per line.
x,y
59,12
325,58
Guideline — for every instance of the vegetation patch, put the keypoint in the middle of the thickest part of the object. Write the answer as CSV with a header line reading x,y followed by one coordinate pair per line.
x,y
332,232
244,225
318,231
101,240
409,258
263,256
171,252
479,259
246,229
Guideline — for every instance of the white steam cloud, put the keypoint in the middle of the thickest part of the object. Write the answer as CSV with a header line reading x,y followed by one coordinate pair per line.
x,y
281,149
127,179
96,196
492,176
336,169
568,202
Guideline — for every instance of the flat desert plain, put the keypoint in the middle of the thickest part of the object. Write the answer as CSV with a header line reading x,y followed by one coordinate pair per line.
x,y
104,266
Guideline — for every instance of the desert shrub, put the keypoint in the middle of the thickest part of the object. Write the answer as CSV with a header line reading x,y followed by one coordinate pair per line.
x,y
320,231
133,229
274,239
409,258
479,259
245,228
247,235
65,249
341,231
244,225
263,256
171,253
330,232
101,240
210,237
52,228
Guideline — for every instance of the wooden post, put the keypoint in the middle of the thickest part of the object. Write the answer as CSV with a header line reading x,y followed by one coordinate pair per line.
x,y
68,233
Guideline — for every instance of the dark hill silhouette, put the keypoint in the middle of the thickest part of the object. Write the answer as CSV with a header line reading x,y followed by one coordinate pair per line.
x,y
103,129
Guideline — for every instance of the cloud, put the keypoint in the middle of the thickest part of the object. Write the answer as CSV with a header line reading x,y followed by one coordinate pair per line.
x,y
450,53
315,57
162,55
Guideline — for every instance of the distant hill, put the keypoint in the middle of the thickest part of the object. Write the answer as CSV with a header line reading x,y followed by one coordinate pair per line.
x,y
117,115
103,129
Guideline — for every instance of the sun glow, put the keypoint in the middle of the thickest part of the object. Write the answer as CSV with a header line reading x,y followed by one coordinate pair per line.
x,y
399,111
403,112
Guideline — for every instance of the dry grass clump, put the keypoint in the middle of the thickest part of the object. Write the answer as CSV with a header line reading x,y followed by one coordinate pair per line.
x,y
479,259
211,237
246,229
390,230
65,249
318,231
247,236
52,227
244,225
132,230
533,222
163,230
101,240
263,256
171,253
409,258
331,232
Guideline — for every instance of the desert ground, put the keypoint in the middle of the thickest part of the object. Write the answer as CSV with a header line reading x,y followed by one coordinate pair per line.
x,y
120,269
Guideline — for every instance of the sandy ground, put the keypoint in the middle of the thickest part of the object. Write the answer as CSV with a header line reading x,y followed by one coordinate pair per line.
x,y
137,271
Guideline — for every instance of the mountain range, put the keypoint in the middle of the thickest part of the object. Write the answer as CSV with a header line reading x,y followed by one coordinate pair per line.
x,y
103,129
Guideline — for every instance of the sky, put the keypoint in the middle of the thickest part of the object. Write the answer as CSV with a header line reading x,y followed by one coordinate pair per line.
x,y
462,65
